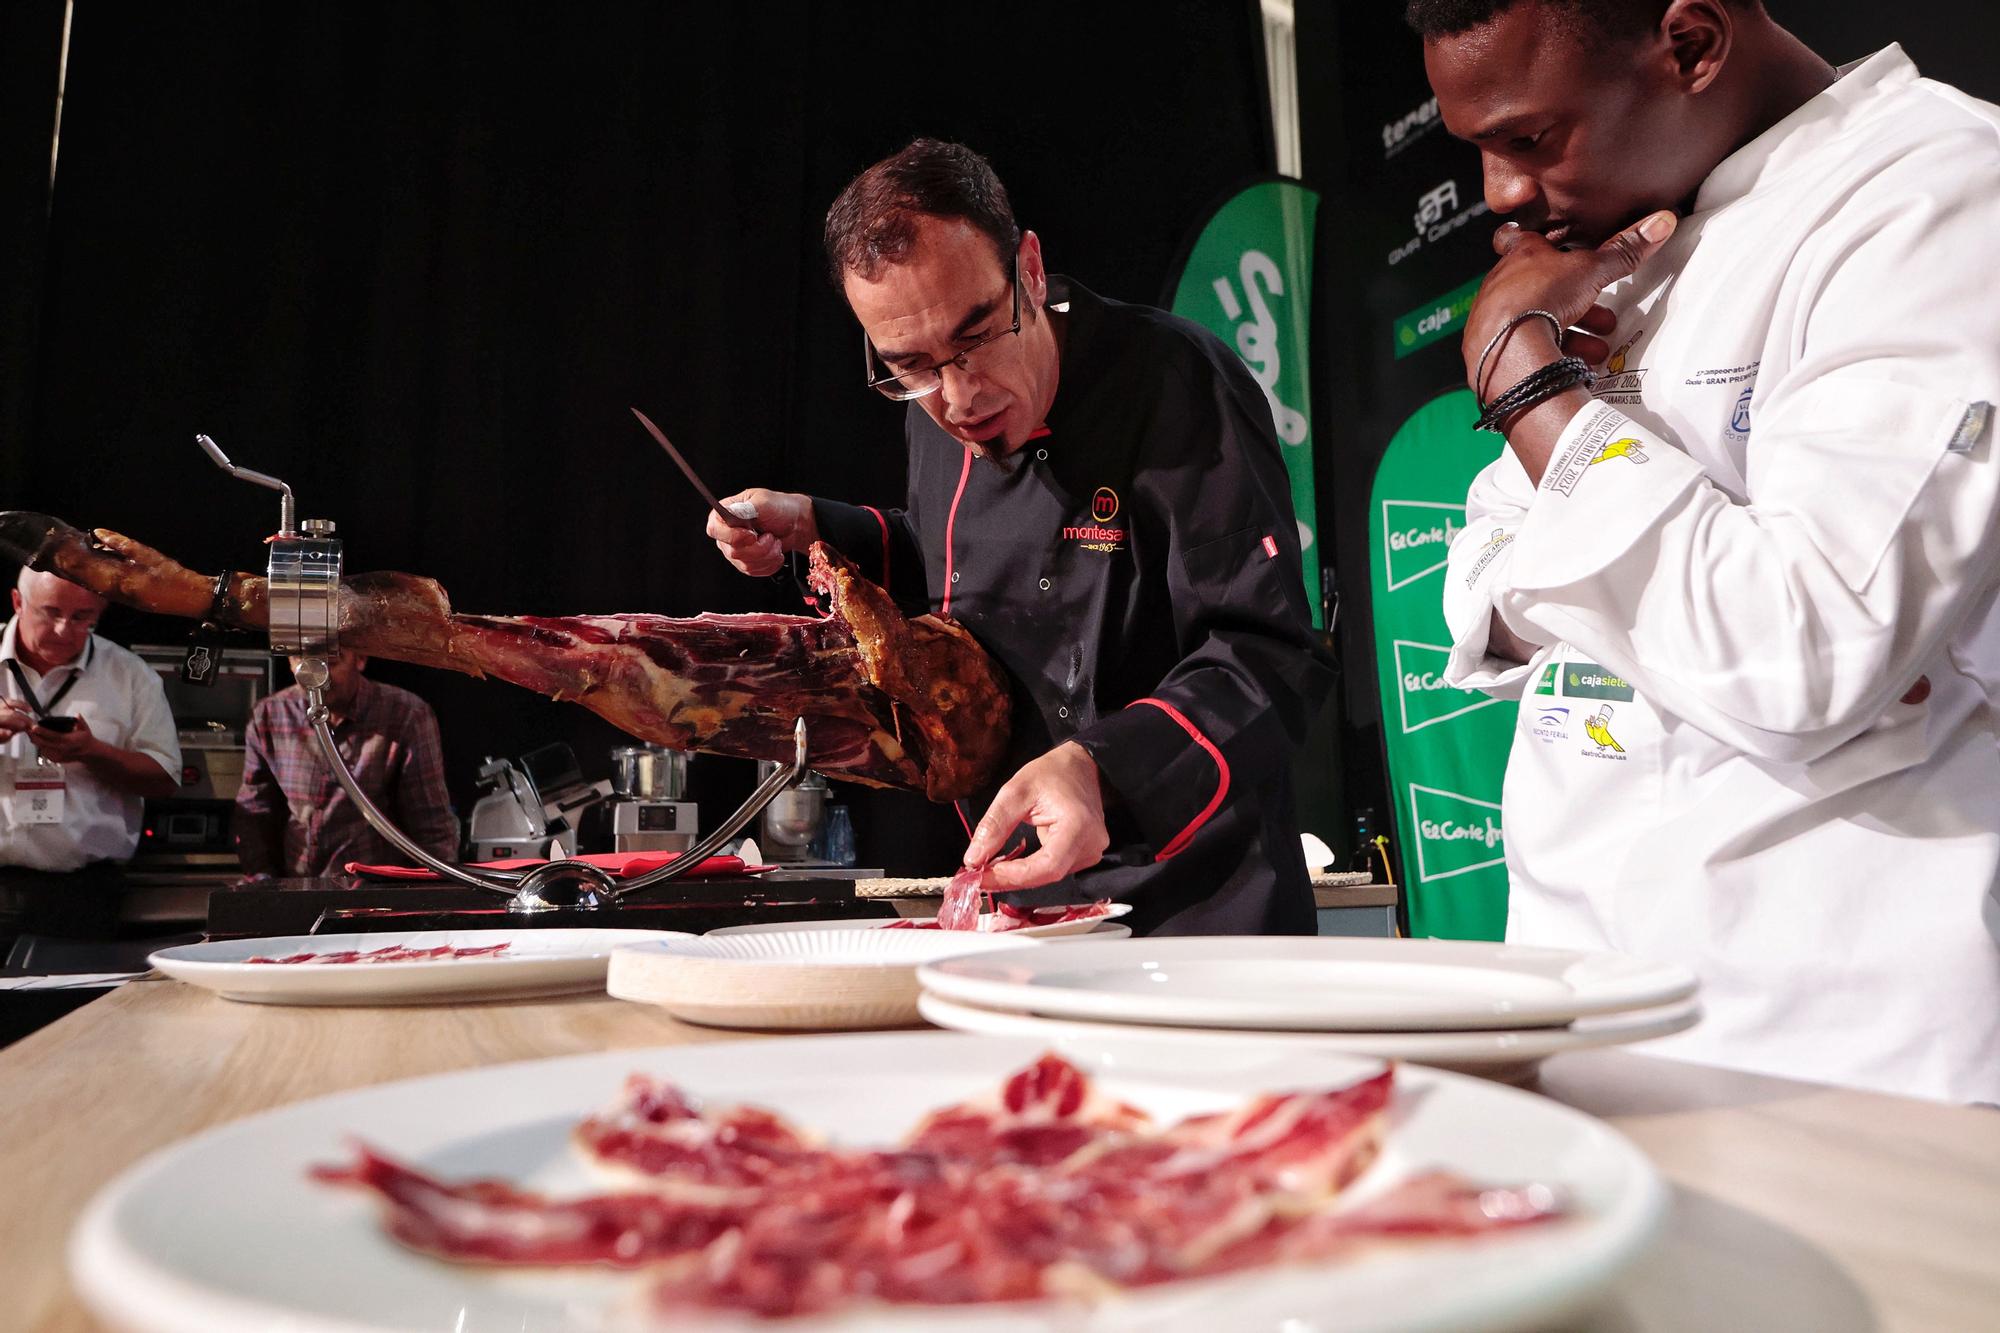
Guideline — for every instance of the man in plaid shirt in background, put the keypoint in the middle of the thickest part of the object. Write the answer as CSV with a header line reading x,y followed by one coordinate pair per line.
x,y
292,816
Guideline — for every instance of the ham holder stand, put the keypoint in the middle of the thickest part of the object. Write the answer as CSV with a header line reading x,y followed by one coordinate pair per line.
x,y
304,570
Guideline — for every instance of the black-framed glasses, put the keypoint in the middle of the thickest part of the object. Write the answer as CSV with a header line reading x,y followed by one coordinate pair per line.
x,y
908,384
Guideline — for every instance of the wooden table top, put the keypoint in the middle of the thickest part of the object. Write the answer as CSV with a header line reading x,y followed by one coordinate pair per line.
x,y
1796,1206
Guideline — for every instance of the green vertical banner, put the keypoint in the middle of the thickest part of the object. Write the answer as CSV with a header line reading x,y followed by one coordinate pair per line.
x,y
1248,280
1447,748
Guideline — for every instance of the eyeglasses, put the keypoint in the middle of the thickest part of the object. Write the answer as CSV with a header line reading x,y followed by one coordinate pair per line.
x,y
917,383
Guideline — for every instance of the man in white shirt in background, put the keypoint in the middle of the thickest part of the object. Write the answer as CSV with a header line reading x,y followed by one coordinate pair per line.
x,y
85,737
1742,580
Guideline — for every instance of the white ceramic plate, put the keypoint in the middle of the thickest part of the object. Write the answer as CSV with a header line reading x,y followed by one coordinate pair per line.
x,y
537,962
1312,983
1101,927
854,978
224,1234
1509,1056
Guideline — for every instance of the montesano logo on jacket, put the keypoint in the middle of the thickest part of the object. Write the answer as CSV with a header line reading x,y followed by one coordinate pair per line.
x,y
1098,534
1416,538
1455,834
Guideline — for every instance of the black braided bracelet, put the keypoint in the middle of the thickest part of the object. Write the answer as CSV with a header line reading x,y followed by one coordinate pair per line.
x,y
1556,377
1546,382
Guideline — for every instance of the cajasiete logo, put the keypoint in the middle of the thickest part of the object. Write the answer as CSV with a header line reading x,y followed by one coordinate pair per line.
x,y
1096,535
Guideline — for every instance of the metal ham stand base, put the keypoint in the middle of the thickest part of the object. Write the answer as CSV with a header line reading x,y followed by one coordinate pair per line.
x,y
304,577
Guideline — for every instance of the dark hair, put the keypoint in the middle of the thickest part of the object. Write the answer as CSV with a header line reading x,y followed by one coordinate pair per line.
x,y
874,221
1587,18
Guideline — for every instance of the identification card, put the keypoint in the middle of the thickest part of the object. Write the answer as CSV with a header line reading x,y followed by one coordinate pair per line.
x,y
38,794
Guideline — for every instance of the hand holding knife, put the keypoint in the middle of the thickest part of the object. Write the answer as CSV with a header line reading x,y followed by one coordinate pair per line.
x,y
757,528
735,520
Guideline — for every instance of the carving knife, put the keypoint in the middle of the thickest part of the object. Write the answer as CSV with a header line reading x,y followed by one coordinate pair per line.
x,y
734,520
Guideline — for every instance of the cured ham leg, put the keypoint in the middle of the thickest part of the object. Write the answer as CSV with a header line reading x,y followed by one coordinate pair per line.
x,y
888,701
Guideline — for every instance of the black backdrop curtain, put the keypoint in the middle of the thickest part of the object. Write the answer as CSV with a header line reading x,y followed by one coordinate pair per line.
x,y
418,259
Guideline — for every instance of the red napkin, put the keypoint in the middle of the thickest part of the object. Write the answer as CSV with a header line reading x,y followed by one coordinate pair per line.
x,y
620,865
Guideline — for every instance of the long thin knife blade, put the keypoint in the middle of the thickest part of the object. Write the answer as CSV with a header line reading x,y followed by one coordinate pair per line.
x,y
733,520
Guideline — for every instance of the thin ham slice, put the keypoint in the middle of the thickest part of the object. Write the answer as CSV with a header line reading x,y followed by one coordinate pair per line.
x,y
491,1222
393,953
964,899
1006,916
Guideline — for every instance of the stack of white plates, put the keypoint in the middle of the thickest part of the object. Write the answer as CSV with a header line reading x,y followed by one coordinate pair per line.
x,y
1493,1009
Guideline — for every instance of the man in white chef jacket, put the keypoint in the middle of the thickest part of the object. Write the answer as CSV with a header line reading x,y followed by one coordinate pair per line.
x,y
1742,583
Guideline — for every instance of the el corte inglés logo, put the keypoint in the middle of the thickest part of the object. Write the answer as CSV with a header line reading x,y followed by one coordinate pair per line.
x,y
1455,834
1424,698
1416,537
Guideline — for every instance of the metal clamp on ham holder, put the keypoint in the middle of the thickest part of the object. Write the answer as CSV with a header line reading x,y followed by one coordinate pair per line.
x,y
304,570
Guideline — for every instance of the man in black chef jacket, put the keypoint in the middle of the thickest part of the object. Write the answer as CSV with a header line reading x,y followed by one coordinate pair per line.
x,y
1096,493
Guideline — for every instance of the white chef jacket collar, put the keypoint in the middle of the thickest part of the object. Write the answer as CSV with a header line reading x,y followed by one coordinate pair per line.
x,y
9,638
1771,155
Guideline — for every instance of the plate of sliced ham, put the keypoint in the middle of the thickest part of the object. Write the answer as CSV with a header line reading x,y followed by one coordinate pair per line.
x,y
904,1181
406,967
1099,920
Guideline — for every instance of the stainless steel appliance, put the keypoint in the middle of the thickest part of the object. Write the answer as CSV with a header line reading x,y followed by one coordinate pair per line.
x,y
507,820
190,830
648,813
572,808
793,820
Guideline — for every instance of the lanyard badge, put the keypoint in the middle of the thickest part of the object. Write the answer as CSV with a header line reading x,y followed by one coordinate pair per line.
x,y
39,790
40,787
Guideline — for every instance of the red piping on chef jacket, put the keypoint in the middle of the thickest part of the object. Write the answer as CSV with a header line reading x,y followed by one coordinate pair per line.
x,y
1186,835
885,543
951,519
